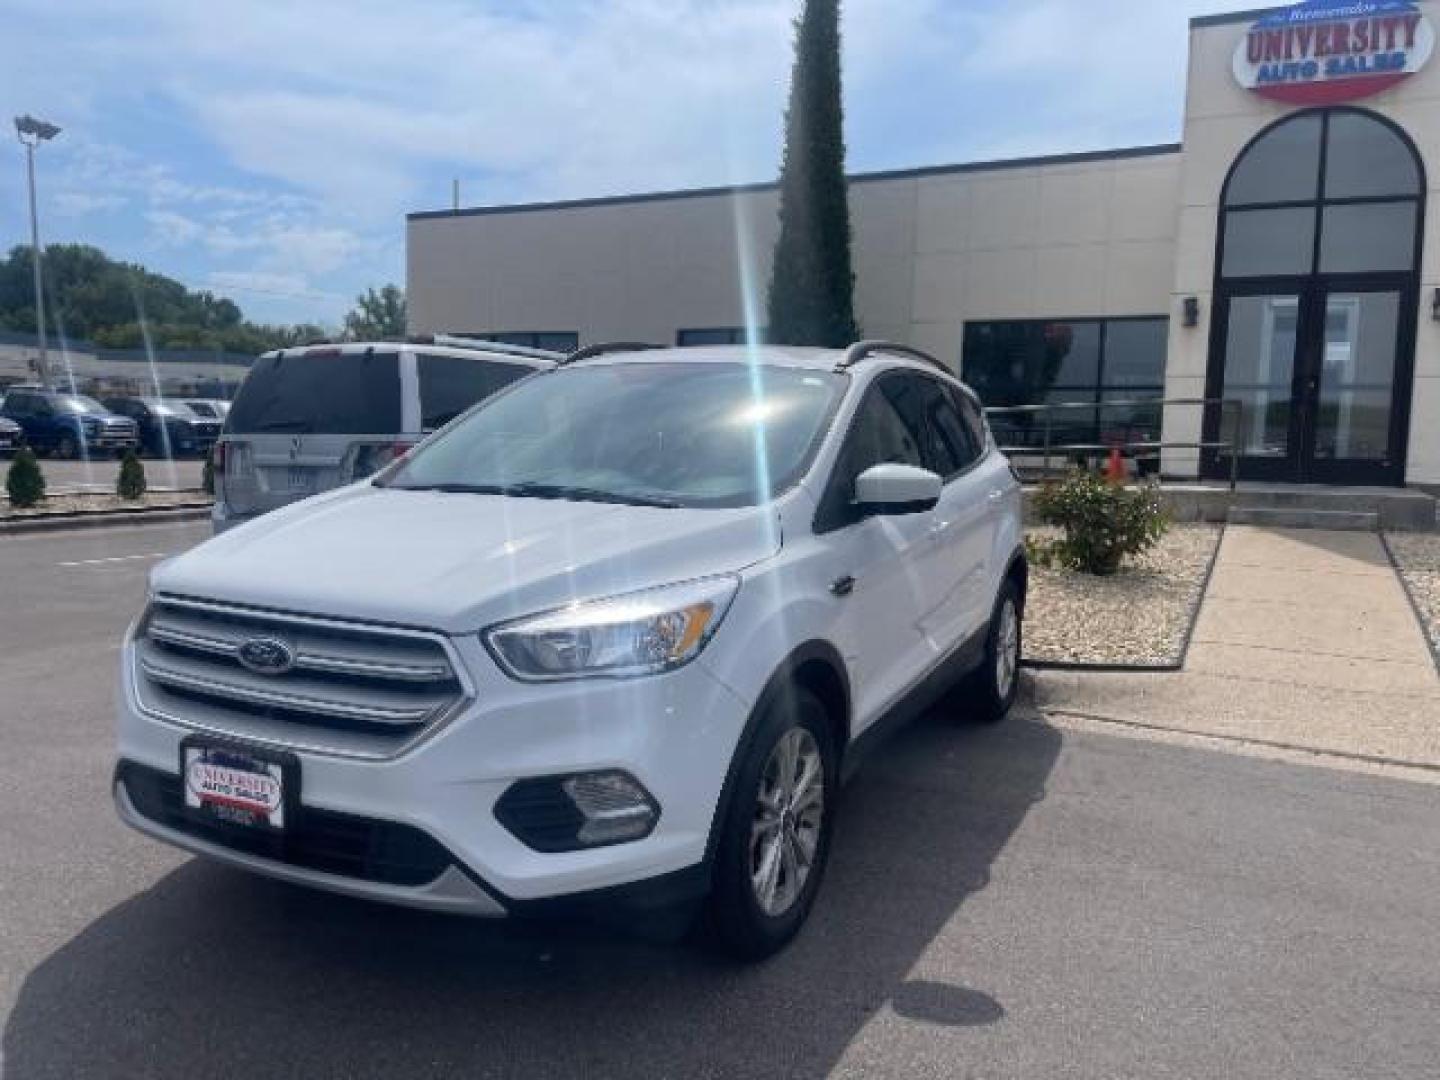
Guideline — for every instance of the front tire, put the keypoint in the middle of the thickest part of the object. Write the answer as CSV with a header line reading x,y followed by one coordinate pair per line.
x,y
68,448
990,691
775,837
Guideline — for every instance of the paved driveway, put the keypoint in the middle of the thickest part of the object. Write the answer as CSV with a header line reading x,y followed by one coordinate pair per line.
x,y
1022,901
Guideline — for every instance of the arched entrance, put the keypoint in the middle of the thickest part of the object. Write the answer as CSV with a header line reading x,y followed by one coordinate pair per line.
x,y
1316,286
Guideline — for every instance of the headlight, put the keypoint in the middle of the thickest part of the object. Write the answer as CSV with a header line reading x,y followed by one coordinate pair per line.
x,y
638,634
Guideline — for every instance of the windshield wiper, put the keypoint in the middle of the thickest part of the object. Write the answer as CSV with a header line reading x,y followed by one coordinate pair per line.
x,y
532,490
452,489
535,490
301,427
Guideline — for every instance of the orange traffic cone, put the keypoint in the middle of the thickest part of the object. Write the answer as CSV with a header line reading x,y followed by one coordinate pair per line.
x,y
1115,467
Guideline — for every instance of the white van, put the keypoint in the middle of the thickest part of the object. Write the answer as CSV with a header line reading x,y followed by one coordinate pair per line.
x,y
318,417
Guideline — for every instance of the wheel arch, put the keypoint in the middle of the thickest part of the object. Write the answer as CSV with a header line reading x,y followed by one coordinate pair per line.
x,y
816,666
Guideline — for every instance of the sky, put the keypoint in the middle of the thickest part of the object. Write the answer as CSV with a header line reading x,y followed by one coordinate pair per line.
x,y
269,151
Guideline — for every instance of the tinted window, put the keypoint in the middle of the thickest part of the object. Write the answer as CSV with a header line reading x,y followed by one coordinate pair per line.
x,y
562,341
1368,236
451,384
694,434
1366,157
78,404
953,447
1135,352
1283,166
328,394
1261,243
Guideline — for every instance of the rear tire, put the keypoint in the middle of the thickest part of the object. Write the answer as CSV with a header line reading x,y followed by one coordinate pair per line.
x,y
988,693
775,837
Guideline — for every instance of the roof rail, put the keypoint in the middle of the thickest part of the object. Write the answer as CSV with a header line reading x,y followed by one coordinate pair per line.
x,y
457,341
604,348
863,350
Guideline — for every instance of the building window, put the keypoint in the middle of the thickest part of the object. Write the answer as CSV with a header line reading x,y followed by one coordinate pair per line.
x,y
562,341
719,335
1109,375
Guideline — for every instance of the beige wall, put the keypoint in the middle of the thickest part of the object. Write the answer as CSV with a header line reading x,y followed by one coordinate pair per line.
x,y
1081,239
1220,119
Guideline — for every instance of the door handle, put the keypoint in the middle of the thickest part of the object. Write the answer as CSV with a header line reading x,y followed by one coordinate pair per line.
x,y
843,586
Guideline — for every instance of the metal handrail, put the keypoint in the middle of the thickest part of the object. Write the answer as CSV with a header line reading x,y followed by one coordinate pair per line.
x,y
1151,448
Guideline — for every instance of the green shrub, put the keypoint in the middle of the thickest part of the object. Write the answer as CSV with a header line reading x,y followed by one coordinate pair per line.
x,y
25,483
1102,522
131,483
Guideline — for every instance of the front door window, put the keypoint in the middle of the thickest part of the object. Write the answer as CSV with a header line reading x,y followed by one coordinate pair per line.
x,y
1260,370
1356,383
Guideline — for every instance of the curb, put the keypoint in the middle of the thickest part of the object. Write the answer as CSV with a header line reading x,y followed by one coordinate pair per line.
x,y
1166,668
1414,600
99,519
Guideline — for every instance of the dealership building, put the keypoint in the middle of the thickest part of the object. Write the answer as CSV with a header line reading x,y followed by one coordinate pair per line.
x,y
1279,257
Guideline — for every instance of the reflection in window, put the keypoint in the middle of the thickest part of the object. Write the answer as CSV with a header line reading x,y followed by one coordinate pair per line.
x,y
1259,369
1102,364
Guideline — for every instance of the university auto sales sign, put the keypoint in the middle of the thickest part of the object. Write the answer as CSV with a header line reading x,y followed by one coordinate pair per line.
x,y
1327,51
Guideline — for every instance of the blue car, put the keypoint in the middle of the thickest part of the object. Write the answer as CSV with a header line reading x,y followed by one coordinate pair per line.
x,y
68,425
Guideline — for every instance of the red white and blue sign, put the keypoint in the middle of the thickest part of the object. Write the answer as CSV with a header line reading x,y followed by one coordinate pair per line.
x,y
1324,52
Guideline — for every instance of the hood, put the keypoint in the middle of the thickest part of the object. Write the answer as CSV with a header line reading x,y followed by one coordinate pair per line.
x,y
460,562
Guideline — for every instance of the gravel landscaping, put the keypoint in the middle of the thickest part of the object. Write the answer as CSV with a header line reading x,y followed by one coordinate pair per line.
x,y
1138,617
1418,556
89,503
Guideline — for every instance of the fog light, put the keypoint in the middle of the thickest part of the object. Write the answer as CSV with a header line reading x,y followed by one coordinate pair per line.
x,y
568,813
616,808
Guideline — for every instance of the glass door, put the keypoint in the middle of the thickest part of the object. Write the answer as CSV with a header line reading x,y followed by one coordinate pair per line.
x,y
1261,351
1351,431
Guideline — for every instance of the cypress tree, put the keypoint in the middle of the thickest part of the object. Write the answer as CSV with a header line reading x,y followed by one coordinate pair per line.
x,y
24,482
130,484
812,290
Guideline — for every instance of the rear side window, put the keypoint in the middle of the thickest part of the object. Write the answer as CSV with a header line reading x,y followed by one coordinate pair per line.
x,y
451,384
332,393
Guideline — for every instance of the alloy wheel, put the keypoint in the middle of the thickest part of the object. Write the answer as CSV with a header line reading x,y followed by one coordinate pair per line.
x,y
789,814
1007,648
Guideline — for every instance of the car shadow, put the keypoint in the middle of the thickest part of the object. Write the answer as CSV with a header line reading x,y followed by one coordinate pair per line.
x,y
213,972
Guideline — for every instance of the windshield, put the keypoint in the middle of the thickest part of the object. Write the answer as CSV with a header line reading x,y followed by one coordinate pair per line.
x,y
78,404
688,434
330,393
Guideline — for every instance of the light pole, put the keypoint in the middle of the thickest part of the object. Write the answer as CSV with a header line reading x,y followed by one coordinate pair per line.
x,y
32,133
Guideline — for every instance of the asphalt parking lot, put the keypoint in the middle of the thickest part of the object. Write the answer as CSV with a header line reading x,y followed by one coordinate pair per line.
x,y
1022,901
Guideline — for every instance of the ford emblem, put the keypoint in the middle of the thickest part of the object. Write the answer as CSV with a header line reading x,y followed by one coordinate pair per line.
x,y
266,656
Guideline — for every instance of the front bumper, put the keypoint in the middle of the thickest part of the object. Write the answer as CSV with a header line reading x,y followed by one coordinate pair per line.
x,y
674,733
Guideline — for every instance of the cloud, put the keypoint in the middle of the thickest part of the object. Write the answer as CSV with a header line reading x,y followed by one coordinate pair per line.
x,y
289,139
80,203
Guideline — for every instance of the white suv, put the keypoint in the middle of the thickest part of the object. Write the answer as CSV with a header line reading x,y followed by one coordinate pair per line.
x,y
609,641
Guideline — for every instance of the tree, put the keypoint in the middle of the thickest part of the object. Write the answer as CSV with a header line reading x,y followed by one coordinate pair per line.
x,y
130,484
812,290
377,316
24,483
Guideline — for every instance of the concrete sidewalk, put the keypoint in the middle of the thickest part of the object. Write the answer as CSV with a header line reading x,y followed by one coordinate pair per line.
x,y
1305,639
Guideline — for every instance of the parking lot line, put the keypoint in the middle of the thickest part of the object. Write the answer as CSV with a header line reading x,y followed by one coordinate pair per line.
x,y
116,559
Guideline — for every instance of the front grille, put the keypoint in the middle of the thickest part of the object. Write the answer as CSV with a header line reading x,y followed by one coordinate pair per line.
x,y
322,840
354,690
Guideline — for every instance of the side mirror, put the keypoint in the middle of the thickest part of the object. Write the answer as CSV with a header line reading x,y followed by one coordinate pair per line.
x,y
896,489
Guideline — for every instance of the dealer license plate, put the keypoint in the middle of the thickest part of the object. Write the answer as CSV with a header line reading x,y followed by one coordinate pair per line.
x,y
234,786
